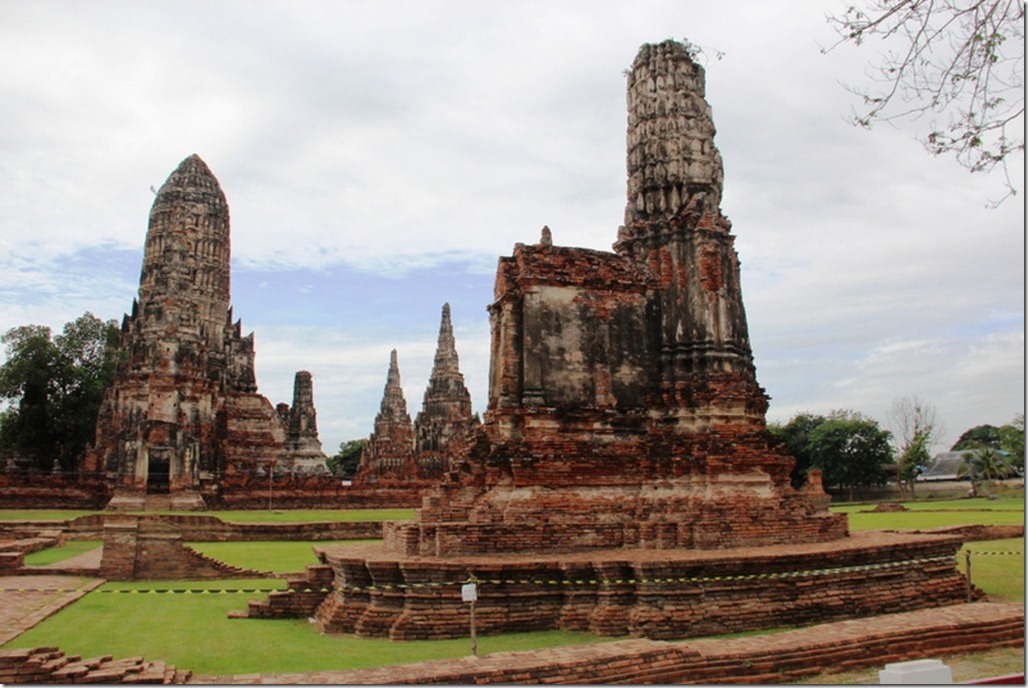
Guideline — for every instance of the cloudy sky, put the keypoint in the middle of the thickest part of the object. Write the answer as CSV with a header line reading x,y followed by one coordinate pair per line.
x,y
379,156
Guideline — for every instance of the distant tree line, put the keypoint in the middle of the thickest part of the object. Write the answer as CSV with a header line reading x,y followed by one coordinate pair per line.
x,y
854,453
344,462
849,449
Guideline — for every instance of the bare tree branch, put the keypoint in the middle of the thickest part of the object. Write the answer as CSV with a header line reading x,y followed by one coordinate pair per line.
x,y
962,59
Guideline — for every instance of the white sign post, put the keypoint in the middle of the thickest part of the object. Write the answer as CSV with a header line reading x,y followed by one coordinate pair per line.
x,y
469,593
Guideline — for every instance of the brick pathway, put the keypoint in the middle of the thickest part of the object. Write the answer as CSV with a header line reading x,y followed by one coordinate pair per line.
x,y
27,600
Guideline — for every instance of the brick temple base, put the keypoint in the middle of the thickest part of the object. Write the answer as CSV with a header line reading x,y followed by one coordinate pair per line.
x,y
657,594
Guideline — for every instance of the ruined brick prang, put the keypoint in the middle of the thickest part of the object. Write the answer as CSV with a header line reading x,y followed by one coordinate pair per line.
x,y
623,404
444,428
303,447
183,408
389,453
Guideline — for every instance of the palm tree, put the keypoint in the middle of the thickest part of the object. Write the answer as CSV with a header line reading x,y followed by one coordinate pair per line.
x,y
982,466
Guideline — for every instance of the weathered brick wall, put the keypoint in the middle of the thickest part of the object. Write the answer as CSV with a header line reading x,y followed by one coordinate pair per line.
x,y
296,491
52,491
657,594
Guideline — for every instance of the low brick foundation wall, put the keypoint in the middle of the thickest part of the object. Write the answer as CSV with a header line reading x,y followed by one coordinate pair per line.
x,y
766,659
52,491
653,594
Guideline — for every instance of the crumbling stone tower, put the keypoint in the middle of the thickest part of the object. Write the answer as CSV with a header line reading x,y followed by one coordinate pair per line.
x,y
674,226
183,408
302,446
623,404
389,453
445,426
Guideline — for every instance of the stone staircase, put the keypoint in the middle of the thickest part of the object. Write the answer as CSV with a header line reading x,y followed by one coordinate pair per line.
x,y
51,666
305,593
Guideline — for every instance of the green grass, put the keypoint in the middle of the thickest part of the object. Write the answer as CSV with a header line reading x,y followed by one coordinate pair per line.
x,y
997,567
922,520
1003,503
42,514
276,516
277,556
52,555
1007,510
193,632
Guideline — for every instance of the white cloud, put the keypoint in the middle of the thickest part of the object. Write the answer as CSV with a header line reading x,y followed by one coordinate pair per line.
x,y
401,139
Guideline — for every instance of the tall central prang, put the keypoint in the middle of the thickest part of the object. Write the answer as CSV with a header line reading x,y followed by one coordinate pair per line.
x,y
624,409
673,225
626,433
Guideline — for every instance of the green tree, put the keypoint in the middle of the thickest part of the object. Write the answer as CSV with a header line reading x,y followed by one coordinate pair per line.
x,y
53,388
914,459
963,59
851,451
795,435
977,437
344,463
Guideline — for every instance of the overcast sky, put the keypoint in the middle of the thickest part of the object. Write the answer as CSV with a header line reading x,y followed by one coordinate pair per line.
x,y
379,156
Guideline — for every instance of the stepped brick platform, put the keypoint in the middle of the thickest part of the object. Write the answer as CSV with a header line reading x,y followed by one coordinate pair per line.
x,y
146,549
300,600
658,594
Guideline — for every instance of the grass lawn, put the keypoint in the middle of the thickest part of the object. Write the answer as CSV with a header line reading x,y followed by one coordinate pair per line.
x,y
42,514
193,632
1008,510
278,556
997,567
52,555
1007,502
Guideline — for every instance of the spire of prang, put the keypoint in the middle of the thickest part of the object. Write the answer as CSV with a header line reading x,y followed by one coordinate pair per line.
x,y
445,417
186,256
675,173
394,406
390,448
